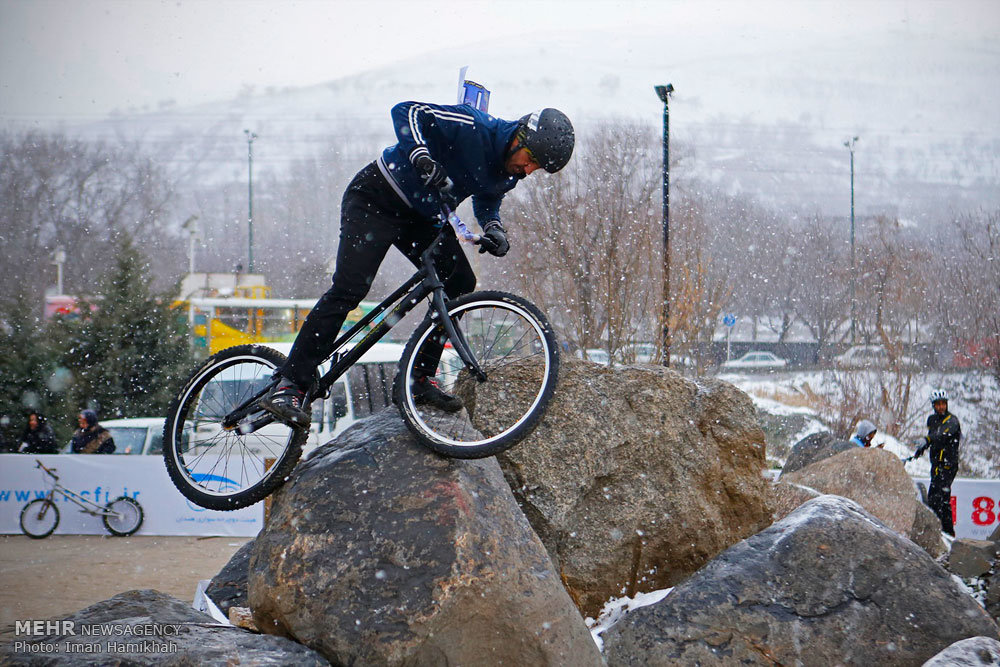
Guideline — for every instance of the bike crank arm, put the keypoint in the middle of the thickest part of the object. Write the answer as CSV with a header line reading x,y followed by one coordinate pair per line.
x,y
239,416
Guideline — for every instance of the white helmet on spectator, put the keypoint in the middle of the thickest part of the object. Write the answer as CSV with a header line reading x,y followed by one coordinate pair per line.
x,y
939,395
864,429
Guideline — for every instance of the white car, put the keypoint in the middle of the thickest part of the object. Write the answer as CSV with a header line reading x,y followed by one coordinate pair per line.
x,y
756,359
869,356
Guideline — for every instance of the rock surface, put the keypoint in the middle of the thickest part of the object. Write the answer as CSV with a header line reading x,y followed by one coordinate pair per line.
x,y
829,584
972,652
813,448
637,476
876,480
229,587
378,551
971,558
163,631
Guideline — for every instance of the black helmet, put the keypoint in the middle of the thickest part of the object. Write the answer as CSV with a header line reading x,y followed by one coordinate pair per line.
x,y
548,136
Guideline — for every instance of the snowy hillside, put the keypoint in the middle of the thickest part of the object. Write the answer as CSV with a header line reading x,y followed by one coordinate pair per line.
x,y
745,115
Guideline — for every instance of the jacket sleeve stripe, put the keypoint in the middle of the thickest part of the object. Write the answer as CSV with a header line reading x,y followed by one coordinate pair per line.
x,y
414,114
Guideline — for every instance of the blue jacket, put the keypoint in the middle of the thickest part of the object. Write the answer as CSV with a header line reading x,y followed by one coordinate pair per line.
x,y
468,143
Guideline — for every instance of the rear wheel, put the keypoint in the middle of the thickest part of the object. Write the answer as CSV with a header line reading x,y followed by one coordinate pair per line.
x,y
126,518
39,518
516,348
221,466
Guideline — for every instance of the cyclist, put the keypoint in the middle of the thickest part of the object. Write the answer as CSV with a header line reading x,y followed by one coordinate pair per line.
x,y
443,153
943,436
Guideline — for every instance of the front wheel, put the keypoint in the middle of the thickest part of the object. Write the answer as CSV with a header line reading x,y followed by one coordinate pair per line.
x,y
514,345
223,466
123,516
39,518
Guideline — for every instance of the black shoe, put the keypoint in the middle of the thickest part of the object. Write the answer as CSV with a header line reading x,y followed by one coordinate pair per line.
x,y
427,392
284,401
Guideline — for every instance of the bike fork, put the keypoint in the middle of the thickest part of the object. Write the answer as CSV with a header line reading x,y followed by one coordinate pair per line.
x,y
456,337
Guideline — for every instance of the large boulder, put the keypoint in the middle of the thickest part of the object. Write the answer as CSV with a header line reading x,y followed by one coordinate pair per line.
x,y
151,628
229,587
378,551
876,480
813,448
973,652
637,476
829,584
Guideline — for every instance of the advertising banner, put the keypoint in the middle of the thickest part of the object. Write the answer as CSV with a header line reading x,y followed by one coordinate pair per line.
x,y
101,479
975,505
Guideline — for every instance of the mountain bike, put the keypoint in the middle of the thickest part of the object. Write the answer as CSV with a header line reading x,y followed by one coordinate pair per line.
x,y
223,451
39,518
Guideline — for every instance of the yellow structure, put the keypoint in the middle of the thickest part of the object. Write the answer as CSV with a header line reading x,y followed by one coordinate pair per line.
x,y
218,323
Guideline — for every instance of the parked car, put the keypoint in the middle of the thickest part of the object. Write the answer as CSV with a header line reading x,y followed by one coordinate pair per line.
x,y
756,359
869,356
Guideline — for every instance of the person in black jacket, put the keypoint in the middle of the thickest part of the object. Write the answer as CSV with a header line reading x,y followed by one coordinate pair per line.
x,y
943,436
443,153
91,437
38,437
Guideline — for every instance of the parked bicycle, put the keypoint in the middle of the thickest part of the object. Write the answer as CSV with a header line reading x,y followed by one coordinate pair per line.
x,y
122,516
223,451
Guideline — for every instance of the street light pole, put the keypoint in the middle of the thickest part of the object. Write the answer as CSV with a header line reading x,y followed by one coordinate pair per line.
x,y
192,229
59,258
663,92
850,147
250,137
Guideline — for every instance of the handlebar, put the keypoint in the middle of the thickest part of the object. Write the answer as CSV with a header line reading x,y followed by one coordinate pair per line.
x,y
51,471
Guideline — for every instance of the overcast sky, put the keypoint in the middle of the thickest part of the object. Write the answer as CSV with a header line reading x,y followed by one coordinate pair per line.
x,y
76,59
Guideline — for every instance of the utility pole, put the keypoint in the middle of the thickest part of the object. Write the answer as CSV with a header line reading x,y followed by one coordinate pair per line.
x,y
850,147
663,92
250,137
59,258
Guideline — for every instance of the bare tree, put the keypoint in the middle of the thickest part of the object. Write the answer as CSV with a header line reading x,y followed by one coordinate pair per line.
x,y
587,240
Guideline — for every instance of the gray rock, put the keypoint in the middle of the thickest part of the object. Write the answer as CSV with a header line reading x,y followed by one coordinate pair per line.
x,y
992,601
995,535
151,628
813,448
973,652
971,558
378,551
229,587
829,584
637,476
926,531
876,480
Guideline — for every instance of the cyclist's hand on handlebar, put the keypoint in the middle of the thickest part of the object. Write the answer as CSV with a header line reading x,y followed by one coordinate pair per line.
x,y
494,239
431,172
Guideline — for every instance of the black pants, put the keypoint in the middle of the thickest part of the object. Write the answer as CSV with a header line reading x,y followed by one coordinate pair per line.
x,y
939,495
372,218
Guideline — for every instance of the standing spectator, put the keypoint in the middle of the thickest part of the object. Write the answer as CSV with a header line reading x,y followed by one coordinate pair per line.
x,y
863,434
38,437
91,437
943,436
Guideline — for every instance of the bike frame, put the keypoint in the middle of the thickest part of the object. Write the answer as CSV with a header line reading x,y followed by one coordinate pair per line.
x,y
72,496
422,284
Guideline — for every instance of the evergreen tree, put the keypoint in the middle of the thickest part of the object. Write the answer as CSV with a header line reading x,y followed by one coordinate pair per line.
x,y
130,350
32,379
